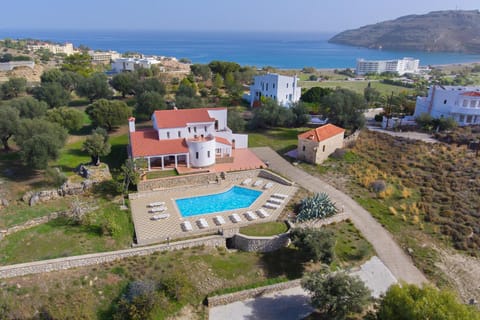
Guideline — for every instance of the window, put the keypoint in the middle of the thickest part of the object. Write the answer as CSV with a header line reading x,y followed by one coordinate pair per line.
x,y
205,128
189,130
168,134
195,129
273,86
266,87
303,148
208,154
473,103
323,149
445,101
469,119
287,85
179,134
465,103
461,118
196,155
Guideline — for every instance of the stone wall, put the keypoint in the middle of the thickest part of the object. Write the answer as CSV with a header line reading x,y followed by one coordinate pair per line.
x,y
251,293
98,258
171,182
260,244
274,177
30,223
350,140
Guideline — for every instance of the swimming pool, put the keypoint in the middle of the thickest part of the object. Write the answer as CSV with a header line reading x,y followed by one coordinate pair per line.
x,y
234,198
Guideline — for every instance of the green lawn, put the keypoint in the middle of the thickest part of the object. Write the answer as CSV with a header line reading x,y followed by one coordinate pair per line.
x,y
350,246
59,238
264,229
161,174
279,139
357,86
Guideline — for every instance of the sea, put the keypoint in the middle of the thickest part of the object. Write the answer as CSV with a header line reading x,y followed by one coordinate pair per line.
x,y
260,49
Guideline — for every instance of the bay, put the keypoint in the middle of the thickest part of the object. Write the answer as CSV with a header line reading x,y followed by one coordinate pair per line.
x,y
260,49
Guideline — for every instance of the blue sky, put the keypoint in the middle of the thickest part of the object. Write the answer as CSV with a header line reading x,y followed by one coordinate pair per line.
x,y
220,15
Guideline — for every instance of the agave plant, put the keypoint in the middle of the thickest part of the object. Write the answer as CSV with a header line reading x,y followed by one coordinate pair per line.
x,y
317,207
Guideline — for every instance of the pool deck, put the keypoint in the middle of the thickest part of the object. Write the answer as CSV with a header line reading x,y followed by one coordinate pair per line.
x,y
153,231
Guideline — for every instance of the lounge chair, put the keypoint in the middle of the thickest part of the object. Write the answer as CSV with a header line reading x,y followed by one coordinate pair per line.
x,y
250,216
186,226
219,220
246,181
157,209
160,216
275,201
279,196
156,204
262,213
268,185
235,218
269,205
258,183
202,223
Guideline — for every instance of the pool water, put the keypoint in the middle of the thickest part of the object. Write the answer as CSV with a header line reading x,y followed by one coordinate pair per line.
x,y
234,198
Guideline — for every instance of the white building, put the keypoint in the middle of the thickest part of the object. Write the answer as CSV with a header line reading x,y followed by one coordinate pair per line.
x,y
132,64
103,56
189,137
66,48
460,103
405,65
283,89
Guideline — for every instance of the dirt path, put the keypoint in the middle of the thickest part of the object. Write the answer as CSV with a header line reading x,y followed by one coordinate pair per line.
x,y
399,263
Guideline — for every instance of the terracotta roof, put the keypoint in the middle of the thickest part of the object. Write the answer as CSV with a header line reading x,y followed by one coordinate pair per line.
x,y
178,118
471,94
146,143
223,141
321,133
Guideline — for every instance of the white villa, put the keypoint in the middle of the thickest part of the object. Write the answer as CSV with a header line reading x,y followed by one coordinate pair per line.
x,y
189,137
460,103
283,89
402,66
132,64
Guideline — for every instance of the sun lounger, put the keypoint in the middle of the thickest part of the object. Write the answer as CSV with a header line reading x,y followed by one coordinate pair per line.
x,y
250,216
246,181
279,196
269,205
219,220
157,209
262,213
202,223
235,218
275,201
258,183
268,185
156,204
160,216
186,226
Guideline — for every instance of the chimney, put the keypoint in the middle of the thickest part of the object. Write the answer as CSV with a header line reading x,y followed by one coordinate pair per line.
x,y
131,124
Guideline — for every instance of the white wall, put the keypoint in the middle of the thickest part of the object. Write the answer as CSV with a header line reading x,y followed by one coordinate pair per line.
x,y
205,151
221,116
282,89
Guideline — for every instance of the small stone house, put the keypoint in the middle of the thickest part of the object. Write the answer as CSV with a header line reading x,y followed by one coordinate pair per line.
x,y
316,145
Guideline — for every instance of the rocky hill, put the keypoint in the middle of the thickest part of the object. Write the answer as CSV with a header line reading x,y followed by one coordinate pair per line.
x,y
438,31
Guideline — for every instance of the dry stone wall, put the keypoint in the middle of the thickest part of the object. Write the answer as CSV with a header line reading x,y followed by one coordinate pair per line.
x,y
260,244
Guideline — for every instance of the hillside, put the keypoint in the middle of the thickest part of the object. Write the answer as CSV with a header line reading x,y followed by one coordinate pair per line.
x,y
438,31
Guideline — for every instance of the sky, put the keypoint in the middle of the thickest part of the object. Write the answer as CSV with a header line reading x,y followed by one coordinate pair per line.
x,y
214,15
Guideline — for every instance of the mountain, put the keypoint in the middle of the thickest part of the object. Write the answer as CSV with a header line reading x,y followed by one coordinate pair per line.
x,y
437,31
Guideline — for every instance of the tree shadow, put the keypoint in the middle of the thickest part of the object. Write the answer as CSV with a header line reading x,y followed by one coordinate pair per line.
x,y
288,262
291,305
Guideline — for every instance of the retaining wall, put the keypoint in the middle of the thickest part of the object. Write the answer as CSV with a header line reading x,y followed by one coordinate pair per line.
x,y
251,293
31,223
171,182
260,244
98,258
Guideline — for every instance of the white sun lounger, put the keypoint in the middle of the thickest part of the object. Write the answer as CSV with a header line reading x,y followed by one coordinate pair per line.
x,y
157,209
250,216
262,213
246,181
160,216
275,201
258,183
219,220
269,205
202,223
156,204
279,196
268,185
186,226
235,218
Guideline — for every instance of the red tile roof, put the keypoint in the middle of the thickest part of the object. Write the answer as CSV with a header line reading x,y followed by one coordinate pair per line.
x,y
322,133
223,141
178,118
146,143
471,94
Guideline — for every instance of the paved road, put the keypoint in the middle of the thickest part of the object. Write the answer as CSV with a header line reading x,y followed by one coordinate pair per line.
x,y
399,263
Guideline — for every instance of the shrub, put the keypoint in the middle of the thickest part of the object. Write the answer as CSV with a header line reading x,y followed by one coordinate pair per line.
x,y
316,244
378,186
319,206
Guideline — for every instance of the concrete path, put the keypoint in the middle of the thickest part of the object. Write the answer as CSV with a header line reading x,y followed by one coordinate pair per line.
x,y
425,137
399,263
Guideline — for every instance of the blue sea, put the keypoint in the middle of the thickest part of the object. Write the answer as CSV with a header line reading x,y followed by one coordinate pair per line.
x,y
279,50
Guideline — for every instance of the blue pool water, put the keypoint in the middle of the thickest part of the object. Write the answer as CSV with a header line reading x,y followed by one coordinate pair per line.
x,y
235,198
